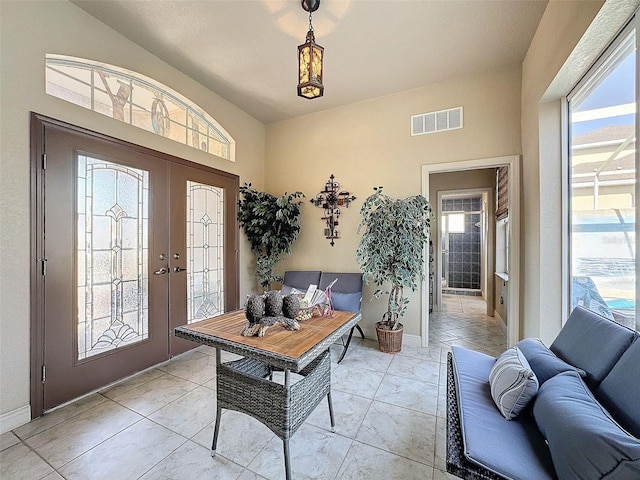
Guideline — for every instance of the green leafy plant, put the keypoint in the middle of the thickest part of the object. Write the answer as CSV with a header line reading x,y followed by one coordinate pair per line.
x,y
271,224
391,247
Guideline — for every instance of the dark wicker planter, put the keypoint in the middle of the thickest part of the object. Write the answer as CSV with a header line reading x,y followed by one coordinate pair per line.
x,y
389,341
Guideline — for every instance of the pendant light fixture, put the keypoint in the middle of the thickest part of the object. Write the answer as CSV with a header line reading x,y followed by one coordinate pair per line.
x,y
310,58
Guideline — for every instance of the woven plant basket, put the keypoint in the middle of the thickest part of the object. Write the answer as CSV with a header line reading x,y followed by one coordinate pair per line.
x,y
389,341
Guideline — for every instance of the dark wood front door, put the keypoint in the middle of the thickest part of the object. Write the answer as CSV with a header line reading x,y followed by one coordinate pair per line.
x,y
129,245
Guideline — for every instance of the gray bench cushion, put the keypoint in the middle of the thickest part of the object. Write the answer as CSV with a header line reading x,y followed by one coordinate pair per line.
x,y
592,343
513,449
299,279
619,392
543,361
584,440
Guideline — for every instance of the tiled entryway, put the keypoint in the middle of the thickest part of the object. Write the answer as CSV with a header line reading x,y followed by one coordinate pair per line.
x,y
390,419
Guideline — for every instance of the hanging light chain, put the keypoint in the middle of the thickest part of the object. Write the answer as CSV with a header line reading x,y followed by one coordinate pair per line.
x,y
310,25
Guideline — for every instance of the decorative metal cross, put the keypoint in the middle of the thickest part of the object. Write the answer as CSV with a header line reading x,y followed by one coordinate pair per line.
x,y
331,199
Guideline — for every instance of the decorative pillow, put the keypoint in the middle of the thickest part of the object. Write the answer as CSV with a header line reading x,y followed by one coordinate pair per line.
x,y
585,442
346,302
513,383
543,361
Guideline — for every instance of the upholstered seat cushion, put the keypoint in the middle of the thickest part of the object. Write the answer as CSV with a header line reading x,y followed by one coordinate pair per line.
x,y
592,343
544,363
619,392
584,440
513,449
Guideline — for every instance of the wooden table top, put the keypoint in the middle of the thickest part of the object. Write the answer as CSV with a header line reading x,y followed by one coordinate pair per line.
x,y
280,347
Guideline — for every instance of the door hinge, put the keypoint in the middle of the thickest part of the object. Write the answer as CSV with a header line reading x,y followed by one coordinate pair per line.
x,y
44,266
44,161
44,373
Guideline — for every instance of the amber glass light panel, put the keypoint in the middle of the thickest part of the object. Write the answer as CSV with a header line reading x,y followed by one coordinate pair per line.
x,y
310,69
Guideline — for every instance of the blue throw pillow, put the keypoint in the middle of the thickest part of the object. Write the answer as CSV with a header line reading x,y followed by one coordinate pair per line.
x,y
585,442
346,302
543,361
513,383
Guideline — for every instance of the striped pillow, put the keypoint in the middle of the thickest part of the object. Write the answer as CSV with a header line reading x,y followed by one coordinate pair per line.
x,y
513,383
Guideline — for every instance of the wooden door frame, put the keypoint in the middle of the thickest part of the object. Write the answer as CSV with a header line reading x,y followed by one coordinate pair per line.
x,y
39,123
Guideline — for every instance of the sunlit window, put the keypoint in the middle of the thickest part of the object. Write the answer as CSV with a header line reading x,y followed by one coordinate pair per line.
x,y
603,181
137,100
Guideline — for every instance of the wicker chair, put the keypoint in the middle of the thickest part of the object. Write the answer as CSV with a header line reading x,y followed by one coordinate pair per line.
x,y
246,386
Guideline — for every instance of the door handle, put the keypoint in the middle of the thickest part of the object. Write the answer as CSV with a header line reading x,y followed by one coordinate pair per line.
x,y
178,269
162,271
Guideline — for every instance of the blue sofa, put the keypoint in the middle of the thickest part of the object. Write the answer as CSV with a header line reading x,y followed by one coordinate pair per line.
x,y
582,423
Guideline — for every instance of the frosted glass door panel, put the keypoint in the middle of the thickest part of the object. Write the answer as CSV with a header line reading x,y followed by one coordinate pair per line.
x,y
205,251
112,251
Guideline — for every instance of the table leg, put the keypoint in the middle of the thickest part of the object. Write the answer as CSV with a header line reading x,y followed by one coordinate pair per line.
x,y
216,429
287,461
333,422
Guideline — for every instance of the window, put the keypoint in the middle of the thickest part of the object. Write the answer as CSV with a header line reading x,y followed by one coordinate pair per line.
x,y
603,184
137,100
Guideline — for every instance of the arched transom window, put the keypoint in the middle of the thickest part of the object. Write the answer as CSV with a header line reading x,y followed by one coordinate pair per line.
x,y
137,100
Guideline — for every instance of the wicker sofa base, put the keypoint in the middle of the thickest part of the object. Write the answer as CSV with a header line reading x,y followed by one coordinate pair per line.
x,y
457,463
245,386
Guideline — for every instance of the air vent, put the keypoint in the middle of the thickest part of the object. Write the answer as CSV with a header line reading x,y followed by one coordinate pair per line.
x,y
439,121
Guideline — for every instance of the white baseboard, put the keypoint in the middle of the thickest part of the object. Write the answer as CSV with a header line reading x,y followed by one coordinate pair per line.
x,y
15,418
412,340
407,339
502,323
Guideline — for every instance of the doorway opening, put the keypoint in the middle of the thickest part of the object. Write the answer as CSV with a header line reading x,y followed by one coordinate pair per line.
x,y
513,195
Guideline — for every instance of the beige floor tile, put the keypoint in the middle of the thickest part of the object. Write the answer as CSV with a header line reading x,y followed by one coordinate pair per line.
x,y
193,366
415,369
315,454
129,454
368,358
397,430
153,395
188,414
58,416
7,440
19,462
240,439
350,379
348,409
364,462
414,394
68,440
194,462
132,382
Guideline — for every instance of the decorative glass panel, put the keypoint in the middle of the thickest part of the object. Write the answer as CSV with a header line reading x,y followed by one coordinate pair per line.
x,y
205,249
137,100
112,219
604,186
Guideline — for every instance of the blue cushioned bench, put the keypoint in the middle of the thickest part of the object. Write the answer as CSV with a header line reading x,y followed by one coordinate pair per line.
x,y
583,423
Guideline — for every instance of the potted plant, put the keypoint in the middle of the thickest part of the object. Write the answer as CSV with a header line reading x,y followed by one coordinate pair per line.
x,y
271,224
391,252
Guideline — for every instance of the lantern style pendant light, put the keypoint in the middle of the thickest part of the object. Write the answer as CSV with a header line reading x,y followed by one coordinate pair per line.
x,y
310,57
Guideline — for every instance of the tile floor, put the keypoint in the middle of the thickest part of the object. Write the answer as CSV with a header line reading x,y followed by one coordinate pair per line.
x,y
390,419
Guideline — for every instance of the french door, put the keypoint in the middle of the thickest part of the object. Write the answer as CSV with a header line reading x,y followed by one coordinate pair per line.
x,y
128,244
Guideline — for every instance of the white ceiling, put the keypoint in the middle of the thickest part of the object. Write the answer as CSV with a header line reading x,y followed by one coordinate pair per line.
x,y
246,50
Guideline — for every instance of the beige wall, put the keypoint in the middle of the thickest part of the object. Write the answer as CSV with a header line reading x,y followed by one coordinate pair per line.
x,y
29,30
569,38
369,144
